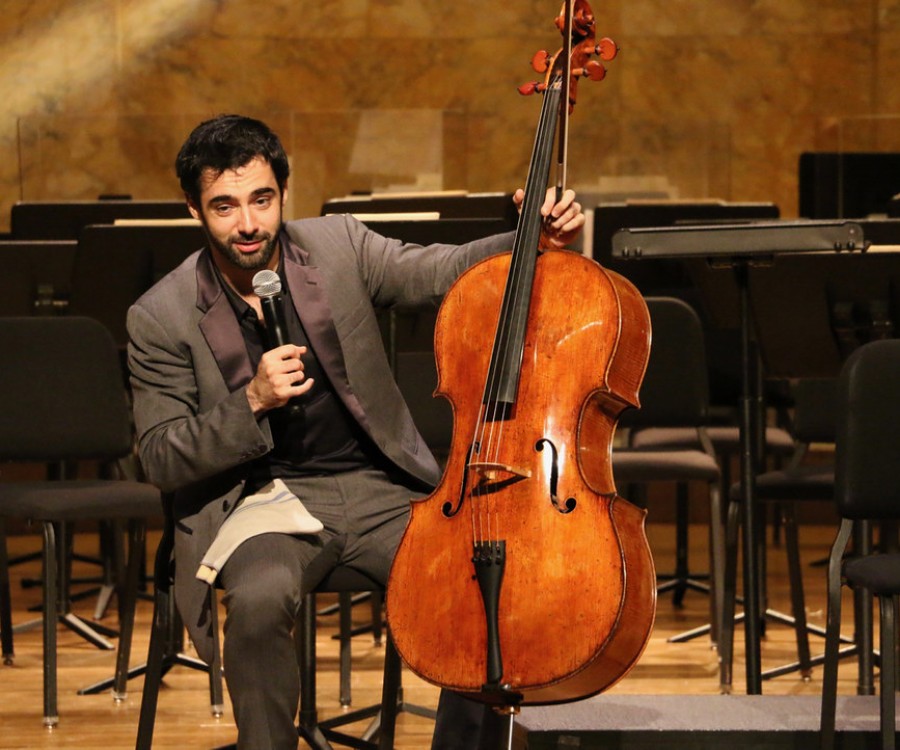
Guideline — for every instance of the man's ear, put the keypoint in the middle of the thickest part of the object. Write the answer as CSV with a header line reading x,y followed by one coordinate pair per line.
x,y
192,207
284,192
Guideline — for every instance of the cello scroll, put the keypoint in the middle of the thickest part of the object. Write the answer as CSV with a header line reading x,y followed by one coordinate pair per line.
x,y
584,47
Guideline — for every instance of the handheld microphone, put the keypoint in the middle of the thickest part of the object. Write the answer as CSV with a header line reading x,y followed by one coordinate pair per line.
x,y
267,286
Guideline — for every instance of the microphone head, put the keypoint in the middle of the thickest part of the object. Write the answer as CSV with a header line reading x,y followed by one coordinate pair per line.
x,y
266,283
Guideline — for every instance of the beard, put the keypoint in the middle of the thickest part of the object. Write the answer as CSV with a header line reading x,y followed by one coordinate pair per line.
x,y
246,261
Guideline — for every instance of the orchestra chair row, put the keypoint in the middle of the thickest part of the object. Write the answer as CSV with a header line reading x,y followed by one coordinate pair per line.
x,y
64,402
99,274
867,494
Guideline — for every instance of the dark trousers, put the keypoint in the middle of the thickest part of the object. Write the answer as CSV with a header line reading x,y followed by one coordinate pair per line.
x,y
265,580
463,724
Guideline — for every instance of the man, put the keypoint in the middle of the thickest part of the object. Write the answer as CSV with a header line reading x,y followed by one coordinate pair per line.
x,y
208,398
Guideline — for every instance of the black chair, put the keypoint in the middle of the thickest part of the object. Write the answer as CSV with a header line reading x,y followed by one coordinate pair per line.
x,y
166,641
36,280
379,735
64,401
867,492
674,394
799,481
416,375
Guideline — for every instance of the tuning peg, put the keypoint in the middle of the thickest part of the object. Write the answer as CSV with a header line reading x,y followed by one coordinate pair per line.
x,y
607,49
593,70
527,89
541,61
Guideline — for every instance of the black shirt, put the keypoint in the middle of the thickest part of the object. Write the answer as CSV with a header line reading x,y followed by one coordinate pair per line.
x,y
318,438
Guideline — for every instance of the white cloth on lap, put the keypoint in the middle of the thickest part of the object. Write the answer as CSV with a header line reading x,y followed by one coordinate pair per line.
x,y
274,509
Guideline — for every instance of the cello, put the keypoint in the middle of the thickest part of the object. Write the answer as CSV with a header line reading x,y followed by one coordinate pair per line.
x,y
524,578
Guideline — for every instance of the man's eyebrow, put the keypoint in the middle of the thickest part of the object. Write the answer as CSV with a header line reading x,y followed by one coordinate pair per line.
x,y
226,198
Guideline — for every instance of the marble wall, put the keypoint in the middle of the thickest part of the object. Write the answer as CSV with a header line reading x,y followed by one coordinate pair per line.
x,y
706,99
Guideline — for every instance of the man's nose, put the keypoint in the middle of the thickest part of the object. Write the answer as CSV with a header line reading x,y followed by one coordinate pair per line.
x,y
247,223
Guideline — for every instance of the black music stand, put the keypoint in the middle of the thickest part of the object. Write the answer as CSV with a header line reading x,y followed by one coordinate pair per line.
x,y
63,220
115,264
449,205
741,248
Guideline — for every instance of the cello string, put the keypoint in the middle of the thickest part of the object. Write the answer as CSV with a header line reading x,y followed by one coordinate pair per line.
x,y
524,257
513,315
519,265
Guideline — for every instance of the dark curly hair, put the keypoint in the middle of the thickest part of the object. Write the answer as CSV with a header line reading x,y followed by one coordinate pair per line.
x,y
228,142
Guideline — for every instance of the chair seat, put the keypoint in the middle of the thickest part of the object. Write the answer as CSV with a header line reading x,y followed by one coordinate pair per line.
x,y
879,574
793,483
724,438
73,500
343,578
662,466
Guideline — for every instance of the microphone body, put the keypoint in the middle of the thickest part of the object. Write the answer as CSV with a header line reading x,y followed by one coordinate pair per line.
x,y
267,286
276,328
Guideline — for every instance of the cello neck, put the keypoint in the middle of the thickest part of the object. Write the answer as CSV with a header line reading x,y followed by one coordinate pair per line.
x,y
509,340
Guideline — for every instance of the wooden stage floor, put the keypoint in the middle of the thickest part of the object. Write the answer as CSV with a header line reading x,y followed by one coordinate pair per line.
x,y
184,721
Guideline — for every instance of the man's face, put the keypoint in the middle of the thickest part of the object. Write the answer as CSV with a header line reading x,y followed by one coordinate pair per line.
x,y
241,212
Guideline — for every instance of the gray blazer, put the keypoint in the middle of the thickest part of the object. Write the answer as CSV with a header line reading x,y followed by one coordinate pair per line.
x,y
189,370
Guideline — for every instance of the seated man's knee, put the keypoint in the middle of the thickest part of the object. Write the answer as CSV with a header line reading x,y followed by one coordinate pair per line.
x,y
269,599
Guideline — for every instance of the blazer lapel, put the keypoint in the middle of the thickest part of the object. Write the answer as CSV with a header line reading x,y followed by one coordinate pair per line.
x,y
220,328
311,303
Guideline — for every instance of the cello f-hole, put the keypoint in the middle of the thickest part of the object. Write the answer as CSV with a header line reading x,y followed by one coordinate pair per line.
x,y
571,502
448,510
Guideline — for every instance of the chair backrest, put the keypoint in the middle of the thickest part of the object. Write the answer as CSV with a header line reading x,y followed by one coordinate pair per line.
x,y
867,450
815,410
62,391
675,391
416,375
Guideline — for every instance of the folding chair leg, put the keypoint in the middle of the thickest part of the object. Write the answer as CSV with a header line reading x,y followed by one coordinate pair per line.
x,y
345,627
216,699
390,696
172,657
887,605
51,714
159,634
6,627
795,574
305,639
729,599
832,638
127,600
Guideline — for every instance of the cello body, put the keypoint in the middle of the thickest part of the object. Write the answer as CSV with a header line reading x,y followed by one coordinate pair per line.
x,y
572,607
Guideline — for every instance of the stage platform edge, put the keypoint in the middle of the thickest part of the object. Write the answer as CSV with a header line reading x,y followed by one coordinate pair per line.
x,y
695,722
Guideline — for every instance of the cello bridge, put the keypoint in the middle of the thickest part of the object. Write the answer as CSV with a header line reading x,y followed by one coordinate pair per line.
x,y
492,472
